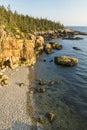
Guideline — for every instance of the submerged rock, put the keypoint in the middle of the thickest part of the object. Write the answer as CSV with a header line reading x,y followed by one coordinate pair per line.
x,y
44,60
51,83
42,82
57,81
41,120
51,61
41,90
51,116
76,48
66,61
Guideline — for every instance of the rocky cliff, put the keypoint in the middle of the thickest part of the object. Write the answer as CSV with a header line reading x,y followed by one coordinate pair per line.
x,y
14,52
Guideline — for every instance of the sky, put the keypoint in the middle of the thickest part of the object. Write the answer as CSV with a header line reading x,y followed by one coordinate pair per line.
x,y
67,12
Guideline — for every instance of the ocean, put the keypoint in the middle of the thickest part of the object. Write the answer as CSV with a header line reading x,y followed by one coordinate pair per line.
x,y
68,99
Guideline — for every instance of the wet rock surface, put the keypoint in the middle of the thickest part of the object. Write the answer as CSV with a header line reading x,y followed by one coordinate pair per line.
x,y
66,61
56,45
76,48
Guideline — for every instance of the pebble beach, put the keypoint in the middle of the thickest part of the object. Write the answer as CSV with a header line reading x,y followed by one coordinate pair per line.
x,y
16,108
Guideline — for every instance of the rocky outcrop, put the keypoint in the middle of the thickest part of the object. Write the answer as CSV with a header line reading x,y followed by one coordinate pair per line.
x,y
39,45
56,45
64,33
73,38
14,52
66,61
48,48
52,45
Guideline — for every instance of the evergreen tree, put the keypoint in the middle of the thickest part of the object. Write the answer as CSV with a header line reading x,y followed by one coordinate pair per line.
x,y
26,23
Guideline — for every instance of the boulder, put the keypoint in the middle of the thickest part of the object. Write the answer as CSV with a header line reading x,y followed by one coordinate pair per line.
x,y
39,45
3,76
56,45
48,48
5,82
66,61
41,90
3,79
22,85
39,41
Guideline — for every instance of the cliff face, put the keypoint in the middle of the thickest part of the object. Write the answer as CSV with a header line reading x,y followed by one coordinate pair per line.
x,y
15,52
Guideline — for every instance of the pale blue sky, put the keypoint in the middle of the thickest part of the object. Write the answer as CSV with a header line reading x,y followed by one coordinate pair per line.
x,y
68,12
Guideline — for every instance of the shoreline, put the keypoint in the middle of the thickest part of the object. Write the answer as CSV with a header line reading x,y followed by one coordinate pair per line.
x,y
16,108
19,101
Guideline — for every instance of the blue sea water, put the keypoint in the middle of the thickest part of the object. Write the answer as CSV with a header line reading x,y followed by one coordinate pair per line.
x,y
73,86
79,28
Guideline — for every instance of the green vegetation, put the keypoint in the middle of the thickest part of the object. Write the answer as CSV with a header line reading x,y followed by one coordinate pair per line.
x,y
27,24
